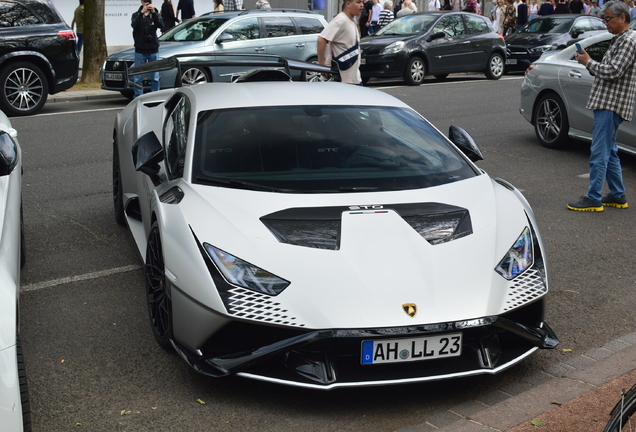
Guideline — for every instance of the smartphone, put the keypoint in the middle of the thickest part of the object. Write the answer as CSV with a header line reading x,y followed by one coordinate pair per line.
x,y
578,48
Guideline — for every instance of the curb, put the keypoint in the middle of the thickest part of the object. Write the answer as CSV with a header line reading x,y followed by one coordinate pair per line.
x,y
536,394
82,95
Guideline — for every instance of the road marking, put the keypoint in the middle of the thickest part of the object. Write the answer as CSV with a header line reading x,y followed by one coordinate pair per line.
x,y
84,277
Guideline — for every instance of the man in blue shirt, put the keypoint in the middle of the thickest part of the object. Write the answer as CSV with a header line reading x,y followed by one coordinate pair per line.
x,y
186,7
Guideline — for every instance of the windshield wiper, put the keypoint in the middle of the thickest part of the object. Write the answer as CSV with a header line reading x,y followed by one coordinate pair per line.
x,y
239,184
357,189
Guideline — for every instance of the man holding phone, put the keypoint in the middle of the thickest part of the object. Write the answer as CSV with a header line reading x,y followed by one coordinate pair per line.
x,y
145,23
612,100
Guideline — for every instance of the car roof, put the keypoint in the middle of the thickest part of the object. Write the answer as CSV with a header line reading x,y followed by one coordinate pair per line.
x,y
267,94
258,12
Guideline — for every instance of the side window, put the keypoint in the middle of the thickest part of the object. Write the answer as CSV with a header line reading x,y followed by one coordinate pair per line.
x,y
175,135
309,25
16,15
279,26
452,25
244,29
476,25
582,25
598,50
597,24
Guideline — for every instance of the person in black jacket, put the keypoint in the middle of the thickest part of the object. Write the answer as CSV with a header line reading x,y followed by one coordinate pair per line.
x,y
145,23
168,16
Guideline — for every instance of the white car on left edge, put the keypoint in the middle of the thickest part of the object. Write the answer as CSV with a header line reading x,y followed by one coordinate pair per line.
x,y
15,413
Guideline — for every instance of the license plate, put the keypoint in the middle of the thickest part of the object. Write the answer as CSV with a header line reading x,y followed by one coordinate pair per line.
x,y
113,76
511,61
363,61
414,349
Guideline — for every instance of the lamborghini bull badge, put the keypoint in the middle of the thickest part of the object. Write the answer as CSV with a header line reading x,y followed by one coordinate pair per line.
x,y
410,309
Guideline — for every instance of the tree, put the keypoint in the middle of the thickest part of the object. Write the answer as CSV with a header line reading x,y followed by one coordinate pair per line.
x,y
94,40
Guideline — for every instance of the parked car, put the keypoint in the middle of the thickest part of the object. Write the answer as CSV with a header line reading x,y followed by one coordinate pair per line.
x,y
289,34
324,254
433,43
38,55
554,94
15,413
548,33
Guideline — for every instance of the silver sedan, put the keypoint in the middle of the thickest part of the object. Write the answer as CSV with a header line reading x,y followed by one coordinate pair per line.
x,y
554,93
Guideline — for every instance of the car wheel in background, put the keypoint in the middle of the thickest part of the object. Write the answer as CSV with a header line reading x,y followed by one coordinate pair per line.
x,y
496,65
310,76
24,389
24,89
551,121
118,198
193,76
159,303
415,71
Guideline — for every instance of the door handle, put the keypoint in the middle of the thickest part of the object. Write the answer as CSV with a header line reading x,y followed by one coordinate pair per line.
x,y
259,49
574,74
300,45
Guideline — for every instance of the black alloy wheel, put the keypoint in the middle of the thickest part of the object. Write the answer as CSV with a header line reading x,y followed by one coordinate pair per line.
x,y
415,71
24,389
118,196
551,121
159,303
24,89
496,66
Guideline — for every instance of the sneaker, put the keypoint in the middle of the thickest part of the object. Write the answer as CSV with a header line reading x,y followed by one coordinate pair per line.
x,y
586,204
610,201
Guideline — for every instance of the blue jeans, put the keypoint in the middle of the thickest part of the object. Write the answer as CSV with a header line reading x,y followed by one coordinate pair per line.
x,y
138,79
604,161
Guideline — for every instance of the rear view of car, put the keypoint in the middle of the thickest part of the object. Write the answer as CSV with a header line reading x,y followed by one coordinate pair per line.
x,y
38,55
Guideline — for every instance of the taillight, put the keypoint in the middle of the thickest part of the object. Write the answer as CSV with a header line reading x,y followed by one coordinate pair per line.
x,y
529,69
67,34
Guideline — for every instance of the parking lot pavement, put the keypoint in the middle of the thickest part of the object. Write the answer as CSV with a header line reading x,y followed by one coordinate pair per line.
x,y
576,394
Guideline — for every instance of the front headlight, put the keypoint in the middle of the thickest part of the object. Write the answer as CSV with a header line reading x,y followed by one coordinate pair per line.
x,y
393,48
243,274
541,49
519,258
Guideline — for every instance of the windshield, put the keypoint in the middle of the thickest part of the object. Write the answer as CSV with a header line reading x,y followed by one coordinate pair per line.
x,y
408,25
323,149
548,25
193,30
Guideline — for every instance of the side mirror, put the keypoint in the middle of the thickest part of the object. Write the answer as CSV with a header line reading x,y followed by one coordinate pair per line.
x,y
8,154
465,142
576,33
147,152
225,37
436,35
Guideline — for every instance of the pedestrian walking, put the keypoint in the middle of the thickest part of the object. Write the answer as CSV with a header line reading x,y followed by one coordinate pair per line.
x,y
612,100
78,25
344,42
386,16
186,7
168,15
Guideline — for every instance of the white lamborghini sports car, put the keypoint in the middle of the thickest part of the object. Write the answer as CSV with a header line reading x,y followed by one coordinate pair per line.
x,y
15,414
324,235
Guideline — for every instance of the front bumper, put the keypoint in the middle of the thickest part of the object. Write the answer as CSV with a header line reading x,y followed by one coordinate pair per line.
x,y
331,358
389,66
520,59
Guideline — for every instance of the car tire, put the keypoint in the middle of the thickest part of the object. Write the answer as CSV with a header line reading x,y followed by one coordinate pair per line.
x,y
415,71
193,76
496,66
24,389
118,195
306,76
128,94
24,89
159,302
551,121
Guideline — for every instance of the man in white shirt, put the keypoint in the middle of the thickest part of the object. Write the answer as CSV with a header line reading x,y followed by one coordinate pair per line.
x,y
434,5
344,41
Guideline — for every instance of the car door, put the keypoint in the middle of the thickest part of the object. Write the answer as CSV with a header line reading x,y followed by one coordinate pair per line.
x,y
242,35
283,39
310,28
450,53
482,41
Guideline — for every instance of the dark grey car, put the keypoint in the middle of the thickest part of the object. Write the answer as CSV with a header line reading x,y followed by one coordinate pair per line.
x,y
434,43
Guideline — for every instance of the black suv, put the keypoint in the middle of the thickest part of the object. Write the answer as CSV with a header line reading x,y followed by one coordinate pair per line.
x,y
38,55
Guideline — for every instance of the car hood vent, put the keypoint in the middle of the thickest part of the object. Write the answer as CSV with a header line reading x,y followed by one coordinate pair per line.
x,y
321,227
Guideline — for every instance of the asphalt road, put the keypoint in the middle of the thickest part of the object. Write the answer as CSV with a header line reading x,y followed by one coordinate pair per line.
x,y
91,358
